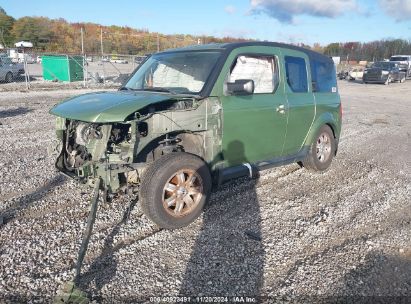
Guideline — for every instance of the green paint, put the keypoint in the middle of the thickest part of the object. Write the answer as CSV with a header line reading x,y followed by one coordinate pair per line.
x,y
106,107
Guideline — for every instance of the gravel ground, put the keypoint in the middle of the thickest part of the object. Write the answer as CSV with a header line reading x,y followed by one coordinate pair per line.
x,y
290,234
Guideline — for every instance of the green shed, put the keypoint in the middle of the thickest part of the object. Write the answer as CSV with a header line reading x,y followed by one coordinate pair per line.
x,y
62,67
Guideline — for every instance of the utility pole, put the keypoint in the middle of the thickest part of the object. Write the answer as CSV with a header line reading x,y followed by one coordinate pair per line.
x,y
82,41
102,55
101,42
84,59
158,43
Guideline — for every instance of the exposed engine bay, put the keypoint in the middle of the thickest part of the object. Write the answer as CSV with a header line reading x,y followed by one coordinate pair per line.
x,y
81,139
117,153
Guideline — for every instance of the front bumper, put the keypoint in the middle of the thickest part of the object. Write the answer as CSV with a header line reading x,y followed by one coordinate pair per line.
x,y
375,78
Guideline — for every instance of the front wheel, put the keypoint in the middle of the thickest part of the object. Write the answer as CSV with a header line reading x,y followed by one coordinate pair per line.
x,y
322,150
174,189
9,77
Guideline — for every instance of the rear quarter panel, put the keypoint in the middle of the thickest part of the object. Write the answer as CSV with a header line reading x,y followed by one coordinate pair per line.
x,y
328,112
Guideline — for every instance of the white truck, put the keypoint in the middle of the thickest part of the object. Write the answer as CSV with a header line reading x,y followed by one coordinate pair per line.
x,y
17,55
404,63
21,52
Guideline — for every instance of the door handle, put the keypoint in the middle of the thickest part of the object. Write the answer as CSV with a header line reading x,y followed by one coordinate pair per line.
x,y
281,109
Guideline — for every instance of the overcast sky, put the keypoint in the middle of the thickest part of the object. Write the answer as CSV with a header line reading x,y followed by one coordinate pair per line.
x,y
306,21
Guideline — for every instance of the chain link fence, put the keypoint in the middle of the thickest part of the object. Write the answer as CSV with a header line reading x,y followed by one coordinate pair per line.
x,y
26,69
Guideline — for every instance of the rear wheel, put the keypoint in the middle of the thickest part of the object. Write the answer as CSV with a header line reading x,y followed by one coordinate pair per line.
x,y
322,150
9,77
402,80
174,189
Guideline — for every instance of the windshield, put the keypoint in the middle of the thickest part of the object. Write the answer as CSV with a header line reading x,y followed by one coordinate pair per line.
x,y
384,65
398,59
179,72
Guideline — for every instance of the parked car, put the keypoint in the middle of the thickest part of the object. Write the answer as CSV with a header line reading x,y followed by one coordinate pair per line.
x,y
139,59
355,73
343,74
404,63
193,117
384,72
9,70
118,60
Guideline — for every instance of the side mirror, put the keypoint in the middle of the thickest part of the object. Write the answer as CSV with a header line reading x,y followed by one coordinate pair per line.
x,y
241,87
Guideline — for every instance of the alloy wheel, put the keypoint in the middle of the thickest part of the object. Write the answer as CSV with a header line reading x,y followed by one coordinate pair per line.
x,y
323,147
182,193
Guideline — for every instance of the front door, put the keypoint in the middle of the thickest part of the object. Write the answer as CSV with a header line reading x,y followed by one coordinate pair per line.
x,y
254,125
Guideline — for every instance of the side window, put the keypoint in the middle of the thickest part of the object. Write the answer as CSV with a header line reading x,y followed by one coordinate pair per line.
x,y
323,76
296,71
261,69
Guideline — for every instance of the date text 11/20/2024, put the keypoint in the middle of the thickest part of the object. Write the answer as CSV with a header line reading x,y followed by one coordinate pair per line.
x,y
203,299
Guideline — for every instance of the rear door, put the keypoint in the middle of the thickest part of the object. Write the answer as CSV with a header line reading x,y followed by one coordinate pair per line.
x,y
301,104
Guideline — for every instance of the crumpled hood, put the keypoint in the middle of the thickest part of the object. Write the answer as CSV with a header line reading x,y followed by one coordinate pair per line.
x,y
106,107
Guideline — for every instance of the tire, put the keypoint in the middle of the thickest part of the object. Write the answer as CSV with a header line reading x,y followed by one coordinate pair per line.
x,y
319,158
165,192
9,77
387,82
402,80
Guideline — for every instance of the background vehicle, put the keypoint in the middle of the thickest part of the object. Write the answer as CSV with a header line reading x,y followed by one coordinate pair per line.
x,y
118,60
343,74
355,73
9,70
200,115
404,63
21,52
139,59
384,72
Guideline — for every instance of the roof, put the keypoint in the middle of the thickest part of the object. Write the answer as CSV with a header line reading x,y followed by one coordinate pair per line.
x,y
231,46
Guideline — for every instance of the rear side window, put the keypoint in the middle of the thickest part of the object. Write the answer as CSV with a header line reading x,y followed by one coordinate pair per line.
x,y
296,74
323,76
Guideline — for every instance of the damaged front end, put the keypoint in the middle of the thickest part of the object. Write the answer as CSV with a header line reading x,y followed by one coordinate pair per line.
x,y
94,150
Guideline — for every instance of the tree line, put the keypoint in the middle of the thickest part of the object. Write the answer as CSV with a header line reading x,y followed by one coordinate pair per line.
x,y
370,51
60,36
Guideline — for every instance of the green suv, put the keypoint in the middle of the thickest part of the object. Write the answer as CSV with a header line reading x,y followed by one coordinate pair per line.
x,y
191,118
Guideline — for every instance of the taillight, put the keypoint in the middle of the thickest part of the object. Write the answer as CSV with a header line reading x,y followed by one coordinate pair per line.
x,y
341,110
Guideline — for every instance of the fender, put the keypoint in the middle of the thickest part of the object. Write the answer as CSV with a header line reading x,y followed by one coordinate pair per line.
x,y
325,118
